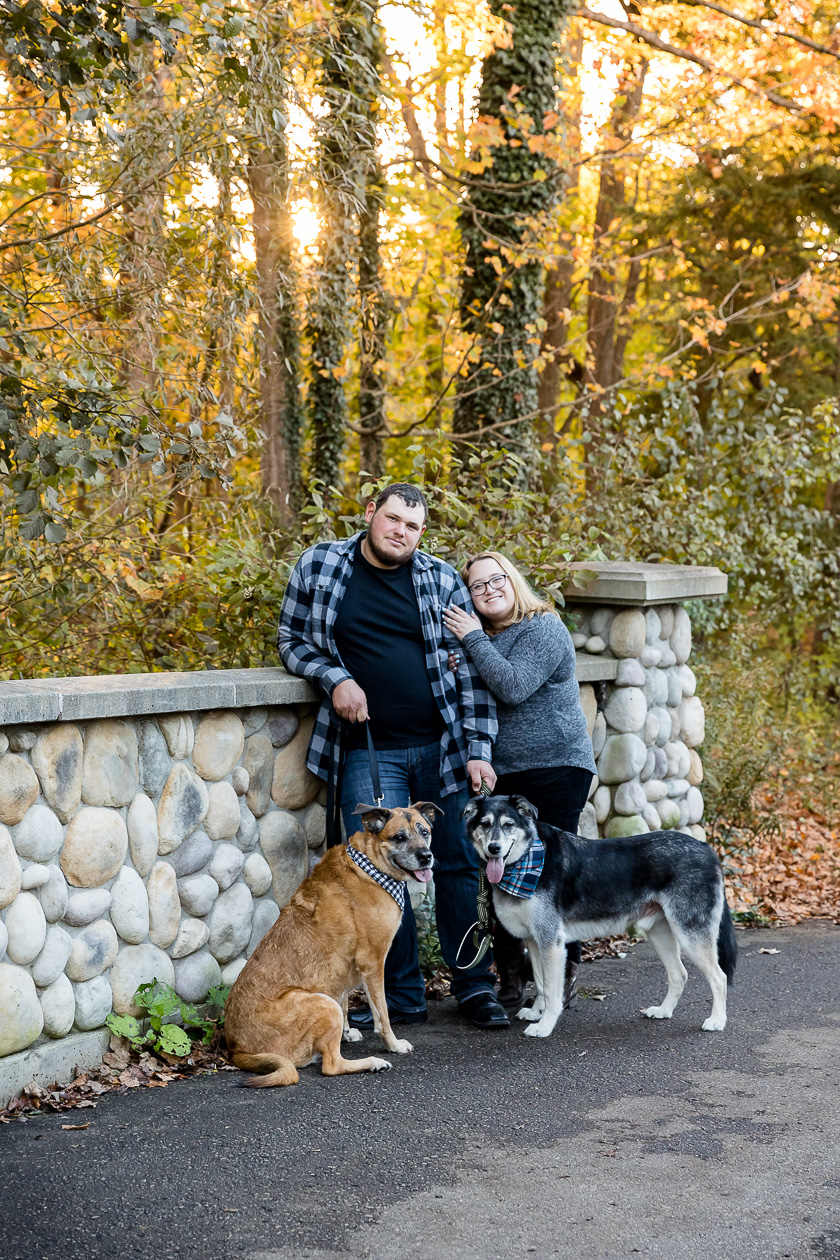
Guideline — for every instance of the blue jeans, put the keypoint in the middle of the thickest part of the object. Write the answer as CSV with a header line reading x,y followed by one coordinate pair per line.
x,y
413,774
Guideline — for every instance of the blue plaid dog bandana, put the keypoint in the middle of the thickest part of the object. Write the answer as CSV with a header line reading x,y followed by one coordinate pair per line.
x,y
521,879
394,886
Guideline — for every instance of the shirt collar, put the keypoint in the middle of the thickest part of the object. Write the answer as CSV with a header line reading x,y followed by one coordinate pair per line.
x,y
521,878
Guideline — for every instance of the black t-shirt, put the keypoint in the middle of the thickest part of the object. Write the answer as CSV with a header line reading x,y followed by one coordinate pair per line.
x,y
379,636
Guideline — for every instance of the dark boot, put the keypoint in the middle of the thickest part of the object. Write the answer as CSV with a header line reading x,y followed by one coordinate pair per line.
x,y
570,991
513,966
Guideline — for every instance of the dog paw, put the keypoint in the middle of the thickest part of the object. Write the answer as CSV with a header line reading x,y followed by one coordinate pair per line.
x,y
537,1030
398,1046
656,1012
380,1065
351,1034
714,1025
530,1012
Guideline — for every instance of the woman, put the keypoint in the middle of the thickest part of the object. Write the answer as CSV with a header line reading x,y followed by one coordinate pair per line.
x,y
543,751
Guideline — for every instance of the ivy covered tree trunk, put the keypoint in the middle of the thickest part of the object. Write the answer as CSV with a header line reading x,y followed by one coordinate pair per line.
x,y
373,307
502,280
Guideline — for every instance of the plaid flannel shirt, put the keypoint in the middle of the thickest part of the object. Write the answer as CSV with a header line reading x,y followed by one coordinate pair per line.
x,y
306,643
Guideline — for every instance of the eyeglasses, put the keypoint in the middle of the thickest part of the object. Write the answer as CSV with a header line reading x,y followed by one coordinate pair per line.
x,y
494,583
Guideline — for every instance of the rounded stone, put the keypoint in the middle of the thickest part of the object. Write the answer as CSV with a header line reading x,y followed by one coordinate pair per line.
x,y
164,905
218,745
93,1003
651,817
136,965
314,823
4,939
669,813
258,760
663,717
57,759
627,632
20,739
692,722
649,657
153,756
11,874
688,679
94,950
110,764
198,893
257,874
630,674
653,626
179,733
23,1019
589,705
675,691
629,798
594,784
599,735
54,895
232,971
649,766
602,803
678,758
678,788
26,927
142,833
588,823
579,640
283,841
595,645
225,865
695,769
626,709
660,764
650,730
254,720
130,907
622,758
192,935
249,831
35,876
195,974
95,847
282,726
655,790
18,789
601,620
52,959
621,825
230,923
655,687
84,907
666,621
698,832
680,636
59,1007
182,807
293,786
667,658
221,821
266,914
694,801
39,835
4,742
193,855
241,780
684,815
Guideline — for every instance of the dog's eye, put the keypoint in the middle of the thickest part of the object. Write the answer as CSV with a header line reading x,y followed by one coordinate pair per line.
x,y
423,831
508,824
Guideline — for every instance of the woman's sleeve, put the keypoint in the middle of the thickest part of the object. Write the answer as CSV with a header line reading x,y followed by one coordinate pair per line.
x,y
534,657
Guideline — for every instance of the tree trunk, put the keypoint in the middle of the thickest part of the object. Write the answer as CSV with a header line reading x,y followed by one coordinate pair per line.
x,y
373,307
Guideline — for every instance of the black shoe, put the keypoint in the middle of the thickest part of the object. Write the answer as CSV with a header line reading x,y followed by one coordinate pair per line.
x,y
363,1017
484,1010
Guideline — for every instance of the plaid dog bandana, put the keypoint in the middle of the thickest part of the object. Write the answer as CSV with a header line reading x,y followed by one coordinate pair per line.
x,y
394,886
521,879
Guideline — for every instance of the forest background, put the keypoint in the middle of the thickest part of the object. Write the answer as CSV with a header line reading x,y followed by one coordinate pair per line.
x,y
575,270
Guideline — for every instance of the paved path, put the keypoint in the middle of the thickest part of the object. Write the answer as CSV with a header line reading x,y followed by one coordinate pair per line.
x,y
616,1138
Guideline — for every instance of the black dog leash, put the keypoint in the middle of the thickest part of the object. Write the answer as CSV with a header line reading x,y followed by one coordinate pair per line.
x,y
482,909
337,760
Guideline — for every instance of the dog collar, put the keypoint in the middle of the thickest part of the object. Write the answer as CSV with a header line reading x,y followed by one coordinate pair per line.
x,y
394,886
521,879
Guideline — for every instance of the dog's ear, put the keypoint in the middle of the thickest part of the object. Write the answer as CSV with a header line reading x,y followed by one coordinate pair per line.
x,y
374,817
523,806
470,809
428,810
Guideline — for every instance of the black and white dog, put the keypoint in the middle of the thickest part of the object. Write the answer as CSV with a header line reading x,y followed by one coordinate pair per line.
x,y
550,887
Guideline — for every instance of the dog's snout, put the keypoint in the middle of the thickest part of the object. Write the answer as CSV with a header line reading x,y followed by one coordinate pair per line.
x,y
424,857
494,848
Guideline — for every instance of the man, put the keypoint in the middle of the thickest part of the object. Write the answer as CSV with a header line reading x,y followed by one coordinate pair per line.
x,y
362,619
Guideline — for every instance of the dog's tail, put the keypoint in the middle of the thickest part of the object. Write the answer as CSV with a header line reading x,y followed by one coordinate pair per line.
x,y
274,1068
727,947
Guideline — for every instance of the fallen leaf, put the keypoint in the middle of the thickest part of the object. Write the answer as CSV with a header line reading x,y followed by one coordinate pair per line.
x,y
769,951
76,1126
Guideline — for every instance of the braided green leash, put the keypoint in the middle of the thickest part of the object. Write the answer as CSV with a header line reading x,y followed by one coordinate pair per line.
x,y
481,943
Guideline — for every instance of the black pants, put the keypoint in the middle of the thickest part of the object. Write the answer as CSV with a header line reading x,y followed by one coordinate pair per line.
x,y
559,794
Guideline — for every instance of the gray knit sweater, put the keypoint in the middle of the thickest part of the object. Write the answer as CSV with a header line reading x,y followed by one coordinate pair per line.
x,y
530,669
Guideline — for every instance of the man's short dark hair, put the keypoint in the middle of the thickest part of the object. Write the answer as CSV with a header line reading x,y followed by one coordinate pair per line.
x,y
409,494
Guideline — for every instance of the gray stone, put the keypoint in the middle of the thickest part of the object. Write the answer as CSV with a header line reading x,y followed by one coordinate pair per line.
x,y
314,822
660,764
26,926
621,826
595,645
587,823
627,632
192,935
232,970
59,1007
667,658
110,766
315,856
230,923
39,836
52,959
241,780
257,874
258,760
282,726
650,763
195,974
254,720
4,939
602,803
193,855
20,739
4,743
649,657
179,734
650,730
589,705
154,757
164,905
683,804
130,907
599,735
678,788
57,758
626,709
630,674
666,621
629,798
663,718
266,914
675,691
18,789
23,1018
694,801
680,636
678,758
651,817
136,965
698,832
579,640
655,790
221,821
197,893
182,807
46,1062
688,679
54,895
283,841
695,769
601,620
142,833
653,627
11,875
35,876
622,758
95,847
94,950
226,864
655,688
293,786
84,907
692,722
218,745
93,1003
249,831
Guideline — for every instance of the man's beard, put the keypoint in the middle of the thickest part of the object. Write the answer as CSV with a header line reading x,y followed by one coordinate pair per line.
x,y
387,557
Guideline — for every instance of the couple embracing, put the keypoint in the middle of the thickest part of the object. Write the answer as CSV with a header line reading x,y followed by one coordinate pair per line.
x,y
453,701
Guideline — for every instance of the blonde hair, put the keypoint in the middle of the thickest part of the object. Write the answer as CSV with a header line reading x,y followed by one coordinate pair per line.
x,y
526,603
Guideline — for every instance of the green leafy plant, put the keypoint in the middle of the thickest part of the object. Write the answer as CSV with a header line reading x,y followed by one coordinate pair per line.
x,y
164,1007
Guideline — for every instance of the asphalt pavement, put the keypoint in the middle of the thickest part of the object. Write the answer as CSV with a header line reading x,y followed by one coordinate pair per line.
x,y
617,1137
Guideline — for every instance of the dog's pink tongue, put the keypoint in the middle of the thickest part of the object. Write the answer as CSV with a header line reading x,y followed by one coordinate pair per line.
x,y
495,869
424,875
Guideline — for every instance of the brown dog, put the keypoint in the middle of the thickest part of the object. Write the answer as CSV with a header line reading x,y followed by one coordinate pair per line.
x,y
289,1002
